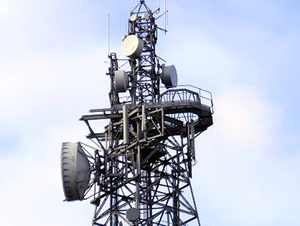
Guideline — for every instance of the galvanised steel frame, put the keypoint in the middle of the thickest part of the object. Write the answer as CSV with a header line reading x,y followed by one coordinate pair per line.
x,y
146,152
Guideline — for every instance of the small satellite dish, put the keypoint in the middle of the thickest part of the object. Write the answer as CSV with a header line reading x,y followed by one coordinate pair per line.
x,y
132,214
75,171
132,46
145,17
133,18
121,81
169,76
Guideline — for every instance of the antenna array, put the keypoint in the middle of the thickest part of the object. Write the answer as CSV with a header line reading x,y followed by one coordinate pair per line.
x,y
140,172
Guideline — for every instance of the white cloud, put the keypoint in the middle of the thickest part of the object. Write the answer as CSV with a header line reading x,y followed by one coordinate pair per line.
x,y
42,94
42,97
244,119
31,185
242,179
51,83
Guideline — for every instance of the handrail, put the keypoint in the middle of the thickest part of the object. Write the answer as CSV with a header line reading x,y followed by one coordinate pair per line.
x,y
179,92
186,92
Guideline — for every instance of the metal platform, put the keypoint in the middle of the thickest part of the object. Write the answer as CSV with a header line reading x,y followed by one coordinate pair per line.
x,y
179,106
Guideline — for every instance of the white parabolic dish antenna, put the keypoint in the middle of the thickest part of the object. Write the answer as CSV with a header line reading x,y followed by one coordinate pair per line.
x,y
132,46
75,170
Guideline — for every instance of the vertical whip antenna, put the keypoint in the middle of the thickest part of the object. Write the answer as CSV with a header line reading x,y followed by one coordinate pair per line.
x,y
108,34
166,15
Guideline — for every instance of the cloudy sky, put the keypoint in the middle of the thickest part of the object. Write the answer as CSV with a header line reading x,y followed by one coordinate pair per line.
x,y
52,70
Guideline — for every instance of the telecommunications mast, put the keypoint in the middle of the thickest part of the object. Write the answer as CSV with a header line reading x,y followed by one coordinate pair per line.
x,y
140,171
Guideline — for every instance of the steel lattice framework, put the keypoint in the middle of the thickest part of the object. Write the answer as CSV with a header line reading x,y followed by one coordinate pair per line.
x,y
146,151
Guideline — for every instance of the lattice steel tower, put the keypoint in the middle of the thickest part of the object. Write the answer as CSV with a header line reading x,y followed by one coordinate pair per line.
x,y
140,172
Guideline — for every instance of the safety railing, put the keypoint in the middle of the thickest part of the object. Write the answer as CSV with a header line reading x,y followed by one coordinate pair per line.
x,y
188,93
181,93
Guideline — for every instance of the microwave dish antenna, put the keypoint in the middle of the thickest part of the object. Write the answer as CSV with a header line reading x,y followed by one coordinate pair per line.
x,y
132,46
75,169
169,76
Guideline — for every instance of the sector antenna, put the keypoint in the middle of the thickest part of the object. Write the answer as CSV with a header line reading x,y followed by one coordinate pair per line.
x,y
139,167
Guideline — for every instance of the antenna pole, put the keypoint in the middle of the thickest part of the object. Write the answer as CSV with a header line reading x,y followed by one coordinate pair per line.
x,y
108,34
166,11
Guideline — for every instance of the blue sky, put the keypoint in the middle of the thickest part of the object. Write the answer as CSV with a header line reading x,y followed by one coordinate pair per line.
x,y
52,70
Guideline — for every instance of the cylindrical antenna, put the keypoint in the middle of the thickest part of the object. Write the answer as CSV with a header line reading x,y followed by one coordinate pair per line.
x,y
108,34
